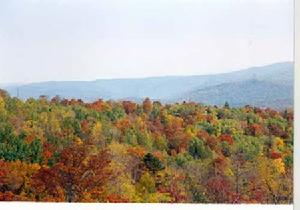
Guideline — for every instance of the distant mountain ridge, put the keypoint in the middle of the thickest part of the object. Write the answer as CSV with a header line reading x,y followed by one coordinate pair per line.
x,y
261,93
270,85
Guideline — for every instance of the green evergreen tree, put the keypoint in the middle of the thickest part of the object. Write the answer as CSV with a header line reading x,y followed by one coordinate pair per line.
x,y
153,163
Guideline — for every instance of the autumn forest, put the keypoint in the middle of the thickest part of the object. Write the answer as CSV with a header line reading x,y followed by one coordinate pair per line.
x,y
68,150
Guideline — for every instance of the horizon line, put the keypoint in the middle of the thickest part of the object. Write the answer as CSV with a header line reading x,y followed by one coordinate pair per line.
x,y
6,84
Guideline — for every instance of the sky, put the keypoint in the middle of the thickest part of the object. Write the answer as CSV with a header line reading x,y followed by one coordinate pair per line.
x,y
54,40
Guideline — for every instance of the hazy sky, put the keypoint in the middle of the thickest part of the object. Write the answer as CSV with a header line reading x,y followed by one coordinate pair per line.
x,y
44,40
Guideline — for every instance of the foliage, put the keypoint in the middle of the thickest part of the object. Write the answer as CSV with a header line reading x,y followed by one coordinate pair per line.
x,y
197,149
153,163
63,150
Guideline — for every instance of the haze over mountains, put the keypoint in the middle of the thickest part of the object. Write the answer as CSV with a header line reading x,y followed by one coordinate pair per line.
x,y
266,86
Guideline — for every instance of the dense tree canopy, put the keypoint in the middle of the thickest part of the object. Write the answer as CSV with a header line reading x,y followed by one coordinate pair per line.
x,y
121,151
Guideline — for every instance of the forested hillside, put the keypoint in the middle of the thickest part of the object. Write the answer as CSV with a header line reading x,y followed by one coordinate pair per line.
x,y
108,151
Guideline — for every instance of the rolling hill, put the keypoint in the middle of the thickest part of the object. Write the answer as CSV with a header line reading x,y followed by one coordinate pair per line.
x,y
261,93
270,85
